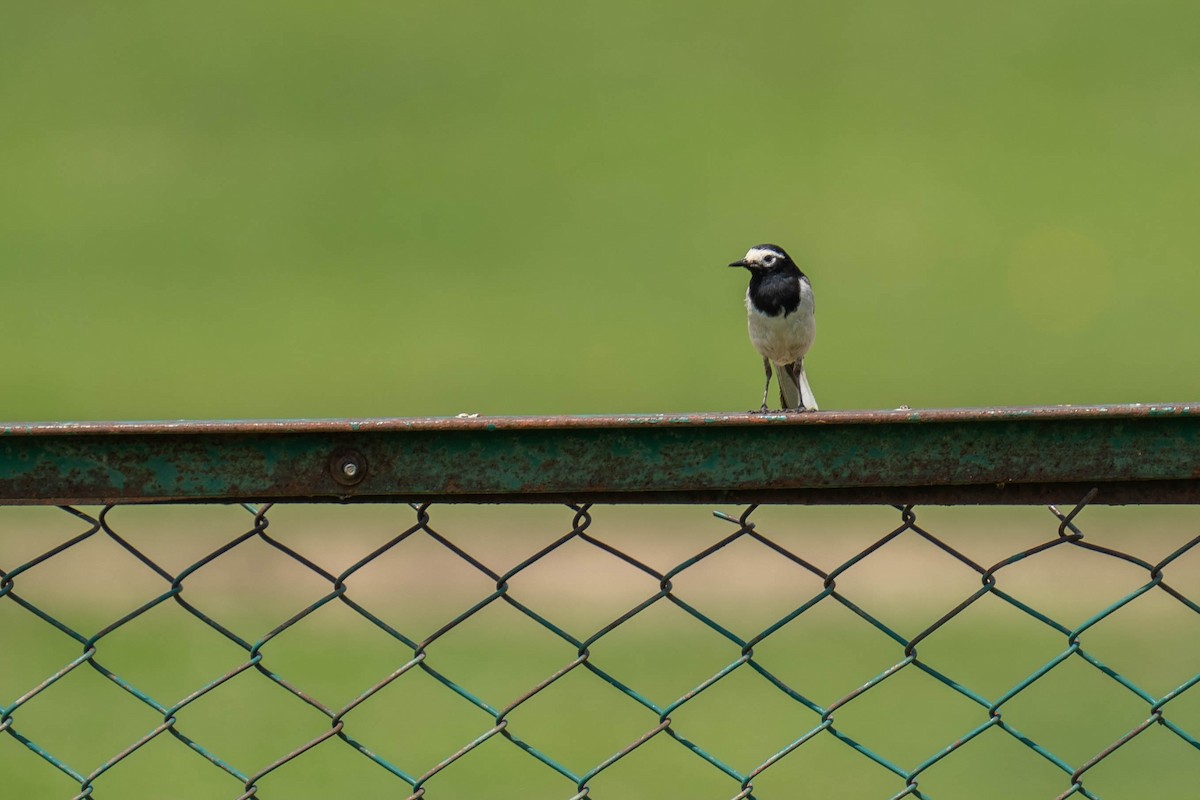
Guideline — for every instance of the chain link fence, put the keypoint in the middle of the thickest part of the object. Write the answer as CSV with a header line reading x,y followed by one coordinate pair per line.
x,y
569,654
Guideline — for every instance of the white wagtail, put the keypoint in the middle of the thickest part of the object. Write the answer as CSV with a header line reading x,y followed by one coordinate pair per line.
x,y
779,308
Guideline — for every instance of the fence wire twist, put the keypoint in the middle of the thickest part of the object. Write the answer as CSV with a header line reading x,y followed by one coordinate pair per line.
x,y
660,719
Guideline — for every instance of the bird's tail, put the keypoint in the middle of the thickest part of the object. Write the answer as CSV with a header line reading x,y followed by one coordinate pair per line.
x,y
793,387
806,392
789,390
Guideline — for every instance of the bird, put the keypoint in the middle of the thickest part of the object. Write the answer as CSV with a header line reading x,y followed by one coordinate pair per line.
x,y
779,316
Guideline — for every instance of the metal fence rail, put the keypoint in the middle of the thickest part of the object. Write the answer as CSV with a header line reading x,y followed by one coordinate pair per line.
x,y
1088,457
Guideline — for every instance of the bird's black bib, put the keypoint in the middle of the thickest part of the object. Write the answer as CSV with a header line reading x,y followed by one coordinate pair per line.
x,y
774,293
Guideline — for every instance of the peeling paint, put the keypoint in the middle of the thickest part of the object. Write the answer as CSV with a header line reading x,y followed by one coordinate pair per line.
x,y
1149,453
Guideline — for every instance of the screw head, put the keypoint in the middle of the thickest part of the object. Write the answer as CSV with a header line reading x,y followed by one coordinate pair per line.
x,y
347,467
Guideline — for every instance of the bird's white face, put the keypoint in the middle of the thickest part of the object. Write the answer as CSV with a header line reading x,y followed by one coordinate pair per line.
x,y
767,258
760,257
763,257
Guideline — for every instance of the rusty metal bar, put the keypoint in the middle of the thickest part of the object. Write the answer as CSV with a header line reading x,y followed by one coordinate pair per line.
x,y
1133,453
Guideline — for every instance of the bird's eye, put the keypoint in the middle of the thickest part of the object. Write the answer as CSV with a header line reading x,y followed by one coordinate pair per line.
x,y
769,260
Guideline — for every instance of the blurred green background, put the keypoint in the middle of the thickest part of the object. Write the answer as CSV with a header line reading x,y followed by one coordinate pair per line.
x,y
303,209
299,209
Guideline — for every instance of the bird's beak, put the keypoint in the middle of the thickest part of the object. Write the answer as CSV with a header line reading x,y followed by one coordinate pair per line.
x,y
740,263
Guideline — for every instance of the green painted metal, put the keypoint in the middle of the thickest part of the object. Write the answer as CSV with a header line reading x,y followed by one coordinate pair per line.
x,y
1020,455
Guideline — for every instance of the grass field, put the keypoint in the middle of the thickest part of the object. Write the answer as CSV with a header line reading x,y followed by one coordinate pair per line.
x,y
287,209
334,655
399,209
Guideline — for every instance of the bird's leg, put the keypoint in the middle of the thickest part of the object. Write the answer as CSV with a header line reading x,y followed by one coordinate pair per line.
x,y
793,371
767,387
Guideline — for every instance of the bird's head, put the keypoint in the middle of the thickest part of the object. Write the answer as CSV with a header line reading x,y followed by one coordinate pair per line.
x,y
764,257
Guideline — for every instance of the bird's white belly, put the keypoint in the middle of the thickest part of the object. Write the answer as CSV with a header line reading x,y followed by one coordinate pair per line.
x,y
783,339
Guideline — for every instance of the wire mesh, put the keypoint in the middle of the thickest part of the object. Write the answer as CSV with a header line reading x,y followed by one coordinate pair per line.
x,y
645,722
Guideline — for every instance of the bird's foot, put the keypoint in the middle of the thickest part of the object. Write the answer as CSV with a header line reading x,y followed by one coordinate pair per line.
x,y
800,410
762,410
